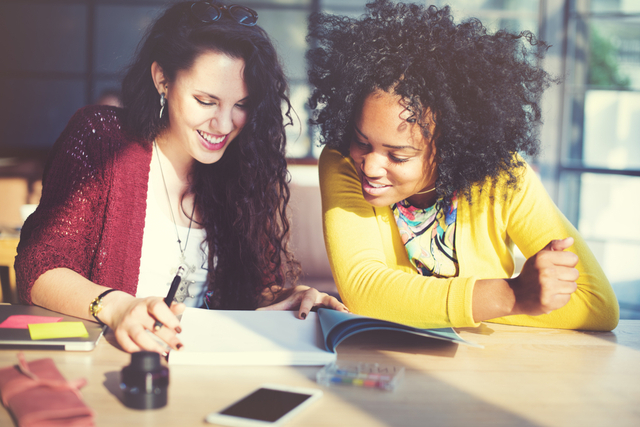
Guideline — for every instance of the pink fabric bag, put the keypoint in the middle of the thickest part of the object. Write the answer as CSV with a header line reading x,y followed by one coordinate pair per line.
x,y
38,396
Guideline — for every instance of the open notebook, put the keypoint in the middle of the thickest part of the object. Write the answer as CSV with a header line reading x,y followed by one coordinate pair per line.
x,y
228,337
75,334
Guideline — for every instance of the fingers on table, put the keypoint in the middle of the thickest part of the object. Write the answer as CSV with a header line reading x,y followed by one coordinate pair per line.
x,y
333,303
313,298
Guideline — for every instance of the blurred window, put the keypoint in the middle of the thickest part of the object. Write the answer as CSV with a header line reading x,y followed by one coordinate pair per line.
x,y
600,167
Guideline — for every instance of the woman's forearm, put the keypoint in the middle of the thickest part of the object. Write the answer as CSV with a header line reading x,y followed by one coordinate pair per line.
x,y
492,298
65,291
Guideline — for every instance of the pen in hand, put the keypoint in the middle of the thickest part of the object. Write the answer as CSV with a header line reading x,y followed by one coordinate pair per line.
x,y
171,294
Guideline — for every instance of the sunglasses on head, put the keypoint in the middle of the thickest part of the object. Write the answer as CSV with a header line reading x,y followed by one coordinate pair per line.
x,y
206,12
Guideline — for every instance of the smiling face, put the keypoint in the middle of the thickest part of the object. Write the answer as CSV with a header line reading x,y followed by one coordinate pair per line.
x,y
206,106
393,158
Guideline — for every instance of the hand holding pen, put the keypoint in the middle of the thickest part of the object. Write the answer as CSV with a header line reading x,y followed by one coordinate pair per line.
x,y
175,283
132,321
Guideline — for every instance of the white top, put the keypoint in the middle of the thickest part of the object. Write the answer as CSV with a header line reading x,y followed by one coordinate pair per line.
x,y
161,257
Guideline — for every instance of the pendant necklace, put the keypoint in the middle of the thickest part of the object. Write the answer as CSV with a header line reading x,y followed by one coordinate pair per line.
x,y
426,191
184,269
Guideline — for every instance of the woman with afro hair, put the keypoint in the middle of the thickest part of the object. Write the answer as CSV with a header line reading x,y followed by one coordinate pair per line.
x,y
424,190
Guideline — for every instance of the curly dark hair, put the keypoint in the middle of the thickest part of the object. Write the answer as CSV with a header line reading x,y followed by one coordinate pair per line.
x,y
242,199
483,89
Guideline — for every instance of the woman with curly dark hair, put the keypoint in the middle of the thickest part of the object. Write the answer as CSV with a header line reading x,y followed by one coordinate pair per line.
x,y
424,191
187,182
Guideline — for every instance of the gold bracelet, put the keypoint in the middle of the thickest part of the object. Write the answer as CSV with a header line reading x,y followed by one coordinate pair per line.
x,y
96,305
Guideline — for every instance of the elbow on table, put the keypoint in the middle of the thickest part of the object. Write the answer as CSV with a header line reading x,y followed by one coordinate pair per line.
x,y
593,307
602,317
607,319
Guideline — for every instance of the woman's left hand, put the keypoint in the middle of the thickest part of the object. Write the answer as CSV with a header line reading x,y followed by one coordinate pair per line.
x,y
304,298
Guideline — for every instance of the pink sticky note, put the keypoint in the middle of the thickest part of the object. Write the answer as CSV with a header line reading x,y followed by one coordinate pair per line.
x,y
21,321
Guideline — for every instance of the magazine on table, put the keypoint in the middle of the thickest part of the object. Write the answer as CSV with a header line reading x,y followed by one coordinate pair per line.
x,y
243,337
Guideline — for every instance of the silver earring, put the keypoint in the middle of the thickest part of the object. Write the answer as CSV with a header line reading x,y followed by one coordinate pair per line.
x,y
163,101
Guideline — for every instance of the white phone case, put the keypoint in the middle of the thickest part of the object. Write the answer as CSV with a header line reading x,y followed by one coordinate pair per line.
x,y
237,420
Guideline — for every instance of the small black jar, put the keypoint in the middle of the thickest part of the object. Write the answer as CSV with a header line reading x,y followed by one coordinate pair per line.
x,y
145,381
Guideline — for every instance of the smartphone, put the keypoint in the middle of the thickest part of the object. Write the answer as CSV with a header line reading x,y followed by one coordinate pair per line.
x,y
270,405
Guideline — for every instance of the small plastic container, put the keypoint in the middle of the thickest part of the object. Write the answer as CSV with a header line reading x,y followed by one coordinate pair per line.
x,y
145,381
358,374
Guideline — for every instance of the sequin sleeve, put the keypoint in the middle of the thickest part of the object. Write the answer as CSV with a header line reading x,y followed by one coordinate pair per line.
x,y
65,229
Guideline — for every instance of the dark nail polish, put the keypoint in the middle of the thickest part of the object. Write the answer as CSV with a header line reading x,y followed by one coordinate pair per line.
x,y
178,329
303,315
179,346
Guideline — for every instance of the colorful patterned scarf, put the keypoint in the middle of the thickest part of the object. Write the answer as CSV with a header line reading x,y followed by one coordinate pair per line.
x,y
429,237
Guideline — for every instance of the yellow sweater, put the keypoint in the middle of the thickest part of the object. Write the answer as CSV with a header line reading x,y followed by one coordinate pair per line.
x,y
375,278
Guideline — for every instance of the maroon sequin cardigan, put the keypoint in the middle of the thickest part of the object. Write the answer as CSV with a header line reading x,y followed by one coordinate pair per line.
x,y
91,215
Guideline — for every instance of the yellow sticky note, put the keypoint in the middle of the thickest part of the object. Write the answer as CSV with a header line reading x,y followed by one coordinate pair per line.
x,y
44,331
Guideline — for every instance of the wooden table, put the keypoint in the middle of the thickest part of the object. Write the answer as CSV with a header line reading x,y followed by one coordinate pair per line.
x,y
523,377
8,246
